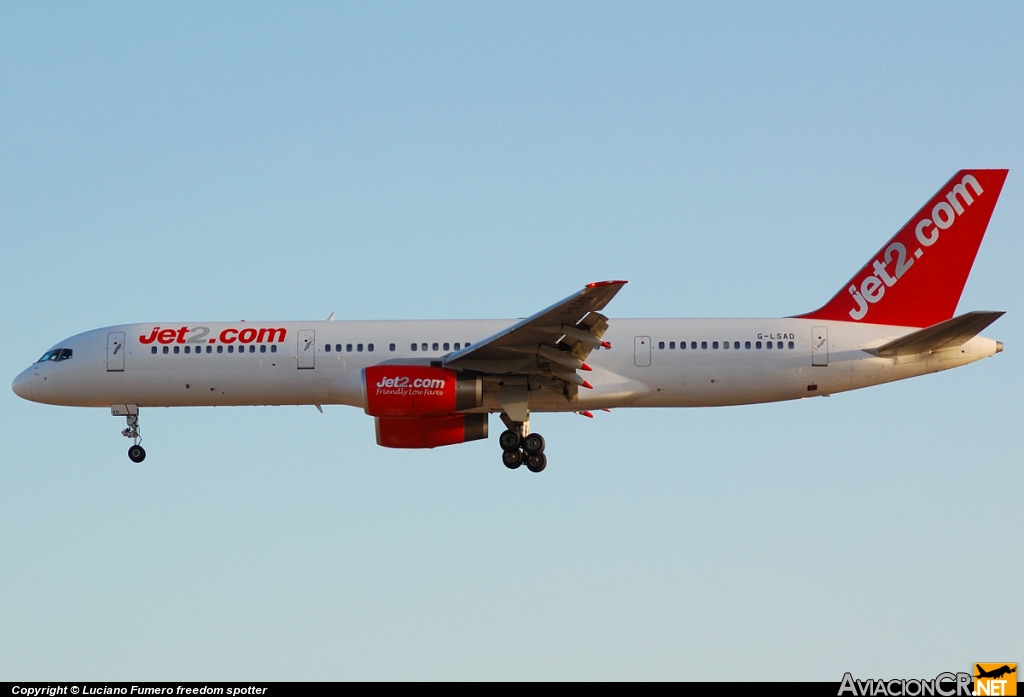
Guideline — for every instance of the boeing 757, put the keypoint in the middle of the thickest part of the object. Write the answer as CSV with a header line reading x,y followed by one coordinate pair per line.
x,y
433,383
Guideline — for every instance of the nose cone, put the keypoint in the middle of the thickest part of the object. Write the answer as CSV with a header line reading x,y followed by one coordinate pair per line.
x,y
22,384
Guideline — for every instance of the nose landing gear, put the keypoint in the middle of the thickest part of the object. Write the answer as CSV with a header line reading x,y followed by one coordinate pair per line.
x,y
136,453
520,446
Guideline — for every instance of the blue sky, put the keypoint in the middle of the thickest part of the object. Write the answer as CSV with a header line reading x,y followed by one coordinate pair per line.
x,y
165,162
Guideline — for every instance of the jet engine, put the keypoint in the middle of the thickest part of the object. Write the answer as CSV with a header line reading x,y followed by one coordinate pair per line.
x,y
418,390
430,431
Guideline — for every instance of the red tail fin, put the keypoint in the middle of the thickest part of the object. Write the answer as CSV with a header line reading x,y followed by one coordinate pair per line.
x,y
916,279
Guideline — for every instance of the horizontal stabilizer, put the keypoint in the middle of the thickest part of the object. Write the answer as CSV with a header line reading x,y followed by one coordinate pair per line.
x,y
952,332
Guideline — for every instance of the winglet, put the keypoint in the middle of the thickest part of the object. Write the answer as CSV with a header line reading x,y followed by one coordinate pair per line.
x,y
598,284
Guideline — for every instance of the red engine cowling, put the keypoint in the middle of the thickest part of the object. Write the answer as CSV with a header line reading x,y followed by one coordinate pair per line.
x,y
418,390
430,431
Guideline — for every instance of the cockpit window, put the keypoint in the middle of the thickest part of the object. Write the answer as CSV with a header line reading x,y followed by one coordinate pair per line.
x,y
61,354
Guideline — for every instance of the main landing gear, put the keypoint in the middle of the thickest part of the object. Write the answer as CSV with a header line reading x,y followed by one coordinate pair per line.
x,y
519,446
136,453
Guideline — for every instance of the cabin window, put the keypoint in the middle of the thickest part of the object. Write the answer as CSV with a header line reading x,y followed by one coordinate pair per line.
x,y
757,345
391,347
369,347
436,346
725,344
446,346
746,345
166,350
231,348
273,348
177,349
413,347
423,346
327,348
359,348
735,344
768,345
714,344
456,345
792,345
348,347
661,345
153,350
220,349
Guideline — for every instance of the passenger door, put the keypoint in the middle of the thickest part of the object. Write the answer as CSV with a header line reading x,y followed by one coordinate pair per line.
x,y
115,352
306,349
642,351
819,346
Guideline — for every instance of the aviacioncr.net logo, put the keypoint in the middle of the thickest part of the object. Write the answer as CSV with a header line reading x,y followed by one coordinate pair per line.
x,y
943,685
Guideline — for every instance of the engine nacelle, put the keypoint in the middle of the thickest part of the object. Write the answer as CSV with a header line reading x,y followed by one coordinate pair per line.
x,y
418,390
430,431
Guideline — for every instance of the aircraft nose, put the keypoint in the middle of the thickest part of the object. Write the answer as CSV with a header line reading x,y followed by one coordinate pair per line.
x,y
22,384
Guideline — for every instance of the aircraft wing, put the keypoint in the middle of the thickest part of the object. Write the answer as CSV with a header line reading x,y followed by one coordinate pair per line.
x,y
952,332
554,343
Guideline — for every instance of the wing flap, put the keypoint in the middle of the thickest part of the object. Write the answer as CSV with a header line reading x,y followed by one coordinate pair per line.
x,y
952,332
552,344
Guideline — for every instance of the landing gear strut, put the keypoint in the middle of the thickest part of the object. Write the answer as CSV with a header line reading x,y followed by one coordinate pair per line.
x,y
136,453
520,446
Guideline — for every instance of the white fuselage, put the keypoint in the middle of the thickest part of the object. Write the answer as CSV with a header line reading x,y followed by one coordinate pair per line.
x,y
201,364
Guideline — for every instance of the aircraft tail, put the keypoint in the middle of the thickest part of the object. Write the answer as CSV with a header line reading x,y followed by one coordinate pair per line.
x,y
917,278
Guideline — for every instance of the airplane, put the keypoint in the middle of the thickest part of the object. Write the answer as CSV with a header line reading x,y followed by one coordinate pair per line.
x,y
435,383
995,673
